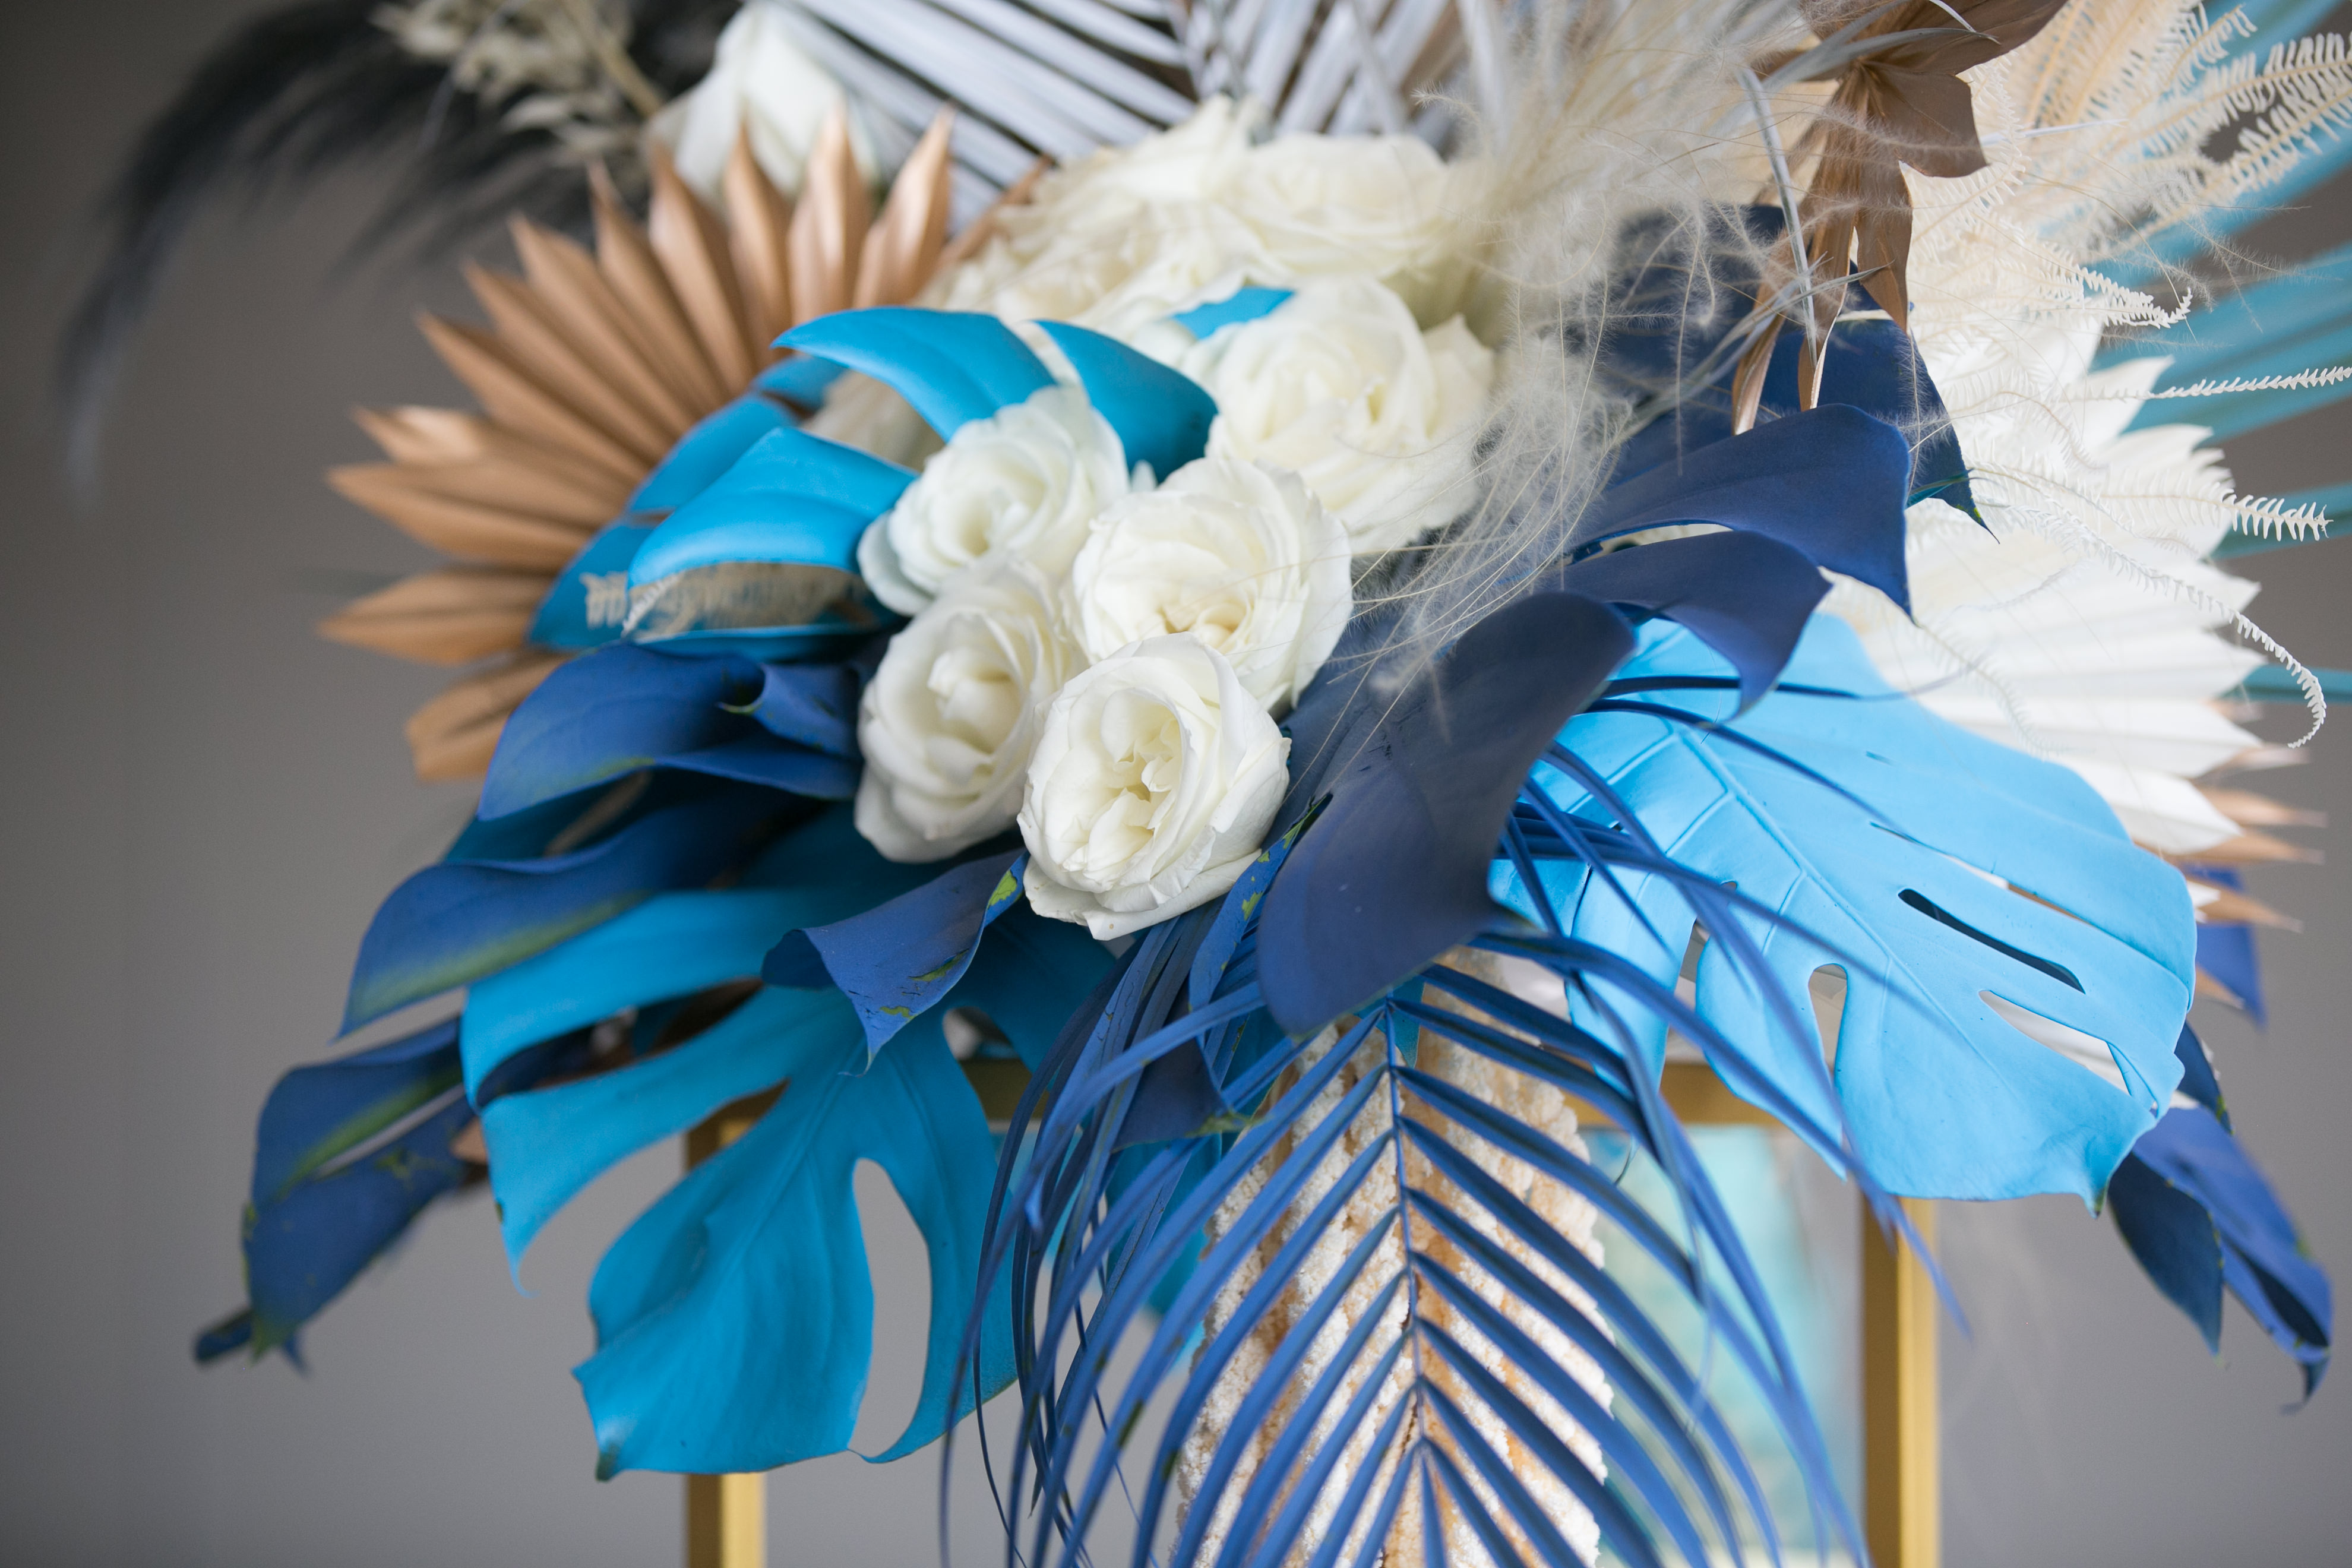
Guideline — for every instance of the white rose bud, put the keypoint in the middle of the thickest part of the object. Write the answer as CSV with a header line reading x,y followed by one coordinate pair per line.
x,y
1026,482
950,719
1154,782
760,80
1340,384
1236,553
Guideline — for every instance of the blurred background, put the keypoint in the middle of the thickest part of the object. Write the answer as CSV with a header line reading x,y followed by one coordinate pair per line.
x,y
204,804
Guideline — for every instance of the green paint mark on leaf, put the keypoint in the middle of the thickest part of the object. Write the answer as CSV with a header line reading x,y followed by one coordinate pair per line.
x,y
927,975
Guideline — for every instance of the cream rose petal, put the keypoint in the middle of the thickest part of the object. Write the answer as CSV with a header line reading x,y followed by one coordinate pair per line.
x,y
1024,483
1341,386
1324,206
1155,778
1236,553
950,719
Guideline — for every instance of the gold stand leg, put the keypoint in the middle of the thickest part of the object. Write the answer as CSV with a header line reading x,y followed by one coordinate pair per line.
x,y
1902,1502
726,1516
726,1521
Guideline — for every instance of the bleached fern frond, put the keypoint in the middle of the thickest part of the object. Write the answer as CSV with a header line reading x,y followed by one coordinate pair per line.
x,y
2303,93
2266,517
2156,89
2301,379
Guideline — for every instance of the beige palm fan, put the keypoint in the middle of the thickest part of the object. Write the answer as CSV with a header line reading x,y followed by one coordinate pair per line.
x,y
591,368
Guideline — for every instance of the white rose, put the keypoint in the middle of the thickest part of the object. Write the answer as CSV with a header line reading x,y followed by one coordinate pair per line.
x,y
1123,238
950,719
762,79
1324,207
1121,280
1186,163
1155,779
1026,482
1236,553
1340,384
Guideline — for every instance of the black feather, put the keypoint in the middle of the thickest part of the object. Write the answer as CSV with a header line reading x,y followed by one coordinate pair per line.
x,y
299,94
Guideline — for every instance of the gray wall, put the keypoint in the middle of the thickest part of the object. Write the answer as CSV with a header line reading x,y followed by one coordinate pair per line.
x,y
204,804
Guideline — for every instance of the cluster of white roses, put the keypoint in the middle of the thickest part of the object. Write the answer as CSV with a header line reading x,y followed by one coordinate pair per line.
x,y
1097,657
1100,654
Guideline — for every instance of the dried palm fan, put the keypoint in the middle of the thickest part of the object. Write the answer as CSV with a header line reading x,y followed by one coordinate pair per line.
x,y
591,367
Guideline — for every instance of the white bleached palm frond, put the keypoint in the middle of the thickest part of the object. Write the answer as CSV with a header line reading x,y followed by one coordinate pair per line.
x,y
1060,77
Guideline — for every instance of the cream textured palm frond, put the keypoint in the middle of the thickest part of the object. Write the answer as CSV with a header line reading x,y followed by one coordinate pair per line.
x,y
2082,619
592,365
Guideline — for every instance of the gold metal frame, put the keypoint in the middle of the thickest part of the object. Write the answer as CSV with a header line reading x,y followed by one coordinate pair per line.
x,y
726,1516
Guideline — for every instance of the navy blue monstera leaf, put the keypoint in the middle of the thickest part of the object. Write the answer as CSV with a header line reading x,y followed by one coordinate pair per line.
x,y
348,1153
1431,773
2200,1219
500,897
337,1177
898,958
2014,970
623,709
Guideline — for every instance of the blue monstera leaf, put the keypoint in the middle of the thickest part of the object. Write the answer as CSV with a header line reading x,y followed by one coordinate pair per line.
x,y
676,943
623,709
501,896
2201,1218
955,368
350,1152
2015,971
735,1320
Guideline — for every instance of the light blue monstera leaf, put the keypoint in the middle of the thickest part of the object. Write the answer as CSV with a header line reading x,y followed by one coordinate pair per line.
x,y
954,367
546,1145
2016,970
762,561
735,1320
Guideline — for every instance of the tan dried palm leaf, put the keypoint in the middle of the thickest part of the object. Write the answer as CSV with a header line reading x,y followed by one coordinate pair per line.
x,y
592,363
1899,100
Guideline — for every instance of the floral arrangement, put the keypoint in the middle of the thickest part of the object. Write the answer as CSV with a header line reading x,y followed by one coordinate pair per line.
x,y
1327,627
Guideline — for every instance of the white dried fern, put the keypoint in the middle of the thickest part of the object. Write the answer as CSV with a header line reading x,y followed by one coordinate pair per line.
x,y
2101,134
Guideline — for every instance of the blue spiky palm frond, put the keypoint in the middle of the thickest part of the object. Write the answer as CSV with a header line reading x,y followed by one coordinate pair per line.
x,y
1433,1366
